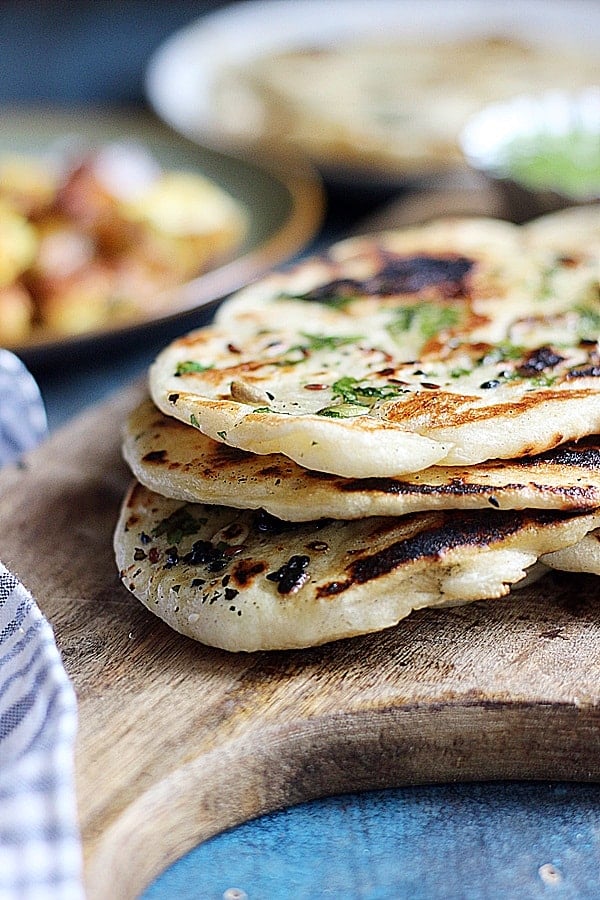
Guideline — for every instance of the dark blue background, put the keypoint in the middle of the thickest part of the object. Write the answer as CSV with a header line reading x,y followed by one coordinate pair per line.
x,y
78,52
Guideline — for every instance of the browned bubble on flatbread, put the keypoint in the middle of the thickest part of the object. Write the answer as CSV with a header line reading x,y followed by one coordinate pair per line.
x,y
243,580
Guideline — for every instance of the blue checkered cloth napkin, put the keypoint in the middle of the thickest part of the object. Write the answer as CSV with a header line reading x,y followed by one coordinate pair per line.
x,y
40,851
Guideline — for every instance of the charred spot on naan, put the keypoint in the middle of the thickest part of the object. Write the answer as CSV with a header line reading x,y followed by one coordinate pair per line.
x,y
442,409
433,537
444,276
566,496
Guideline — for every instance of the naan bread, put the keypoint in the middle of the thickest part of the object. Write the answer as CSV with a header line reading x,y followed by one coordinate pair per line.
x,y
242,580
584,556
396,106
574,232
565,245
178,461
475,270
405,350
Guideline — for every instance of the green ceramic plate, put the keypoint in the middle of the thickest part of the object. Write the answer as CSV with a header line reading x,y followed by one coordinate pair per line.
x,y
283,198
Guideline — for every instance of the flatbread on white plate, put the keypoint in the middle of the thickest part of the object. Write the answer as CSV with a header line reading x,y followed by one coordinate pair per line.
x,y
402,354
242,580
395,105
178,461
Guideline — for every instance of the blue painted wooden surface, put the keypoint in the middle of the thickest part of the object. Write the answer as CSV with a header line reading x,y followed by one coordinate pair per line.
x,y
424,843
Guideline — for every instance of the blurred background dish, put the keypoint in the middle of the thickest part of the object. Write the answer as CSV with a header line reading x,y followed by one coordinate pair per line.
x,y
356,85
262,213
542,149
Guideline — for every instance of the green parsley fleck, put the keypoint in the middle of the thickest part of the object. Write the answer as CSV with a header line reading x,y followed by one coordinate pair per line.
x,y
428,319
351,390
343,411
178,524
190,365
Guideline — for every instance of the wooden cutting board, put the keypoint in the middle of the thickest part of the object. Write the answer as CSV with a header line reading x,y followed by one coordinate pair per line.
x,y
178,741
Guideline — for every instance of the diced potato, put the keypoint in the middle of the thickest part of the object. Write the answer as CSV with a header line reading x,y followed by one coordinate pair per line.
x,y
79,303
18,244
63,249
28,184
16,315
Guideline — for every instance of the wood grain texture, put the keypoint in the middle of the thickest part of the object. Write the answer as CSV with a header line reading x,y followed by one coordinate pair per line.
x,y
178,741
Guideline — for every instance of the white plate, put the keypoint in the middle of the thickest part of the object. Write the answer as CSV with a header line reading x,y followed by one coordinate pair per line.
x,y
181,74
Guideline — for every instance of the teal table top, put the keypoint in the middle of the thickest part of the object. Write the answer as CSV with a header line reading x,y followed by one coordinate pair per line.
x,y
457,842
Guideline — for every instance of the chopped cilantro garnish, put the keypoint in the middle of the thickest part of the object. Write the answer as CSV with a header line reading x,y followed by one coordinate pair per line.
x,y
190,365
544,380
546,287
335,294
351,390
299,352
343,411
428,319
589,322
194,421
502,352
328,341
178,524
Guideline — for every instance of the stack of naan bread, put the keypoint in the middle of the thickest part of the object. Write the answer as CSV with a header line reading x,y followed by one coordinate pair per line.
x,y
410,419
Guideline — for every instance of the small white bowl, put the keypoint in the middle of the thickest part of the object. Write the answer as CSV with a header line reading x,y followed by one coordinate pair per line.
x,y
542,150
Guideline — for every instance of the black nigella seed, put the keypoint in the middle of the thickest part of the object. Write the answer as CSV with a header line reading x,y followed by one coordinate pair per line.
x,y
292,575
172,555
203,552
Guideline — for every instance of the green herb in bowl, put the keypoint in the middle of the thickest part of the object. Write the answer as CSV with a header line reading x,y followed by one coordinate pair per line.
x,y
544,151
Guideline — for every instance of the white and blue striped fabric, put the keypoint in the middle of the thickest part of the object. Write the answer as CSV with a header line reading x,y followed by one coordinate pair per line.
x,y
40,851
